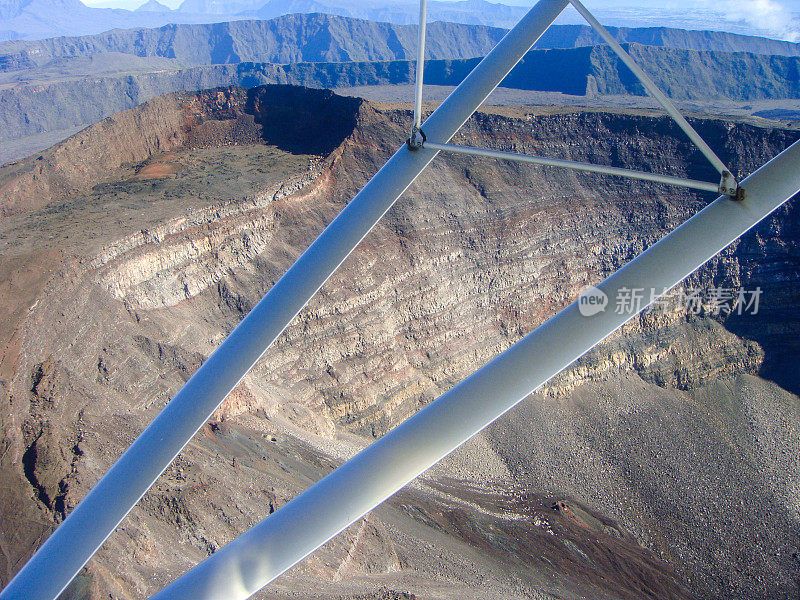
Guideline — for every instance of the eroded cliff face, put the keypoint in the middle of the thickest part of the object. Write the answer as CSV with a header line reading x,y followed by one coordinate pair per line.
x,y
672,446
228,116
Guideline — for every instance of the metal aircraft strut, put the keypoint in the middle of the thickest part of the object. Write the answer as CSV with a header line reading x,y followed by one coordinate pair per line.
x,y
727,183
296,529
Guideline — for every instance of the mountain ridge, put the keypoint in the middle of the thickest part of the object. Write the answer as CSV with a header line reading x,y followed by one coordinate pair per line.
x,y
41,19
291,38
153,6
326,38
36,107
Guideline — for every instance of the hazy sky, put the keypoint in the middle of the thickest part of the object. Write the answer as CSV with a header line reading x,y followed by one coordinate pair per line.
x,y
779,18
776,18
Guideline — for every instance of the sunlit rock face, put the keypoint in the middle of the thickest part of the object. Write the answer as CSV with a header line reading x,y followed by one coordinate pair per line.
x,y
663,463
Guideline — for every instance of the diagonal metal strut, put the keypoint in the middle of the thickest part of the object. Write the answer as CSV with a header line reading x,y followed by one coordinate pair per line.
x,y
578,166
79,536
727,183
274,545
341,498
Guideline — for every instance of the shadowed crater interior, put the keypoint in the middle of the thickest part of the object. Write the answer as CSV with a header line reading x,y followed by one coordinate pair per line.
x,y
303,121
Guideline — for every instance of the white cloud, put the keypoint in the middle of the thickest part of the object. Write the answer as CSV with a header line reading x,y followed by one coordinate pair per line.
x,y
769,15
774,18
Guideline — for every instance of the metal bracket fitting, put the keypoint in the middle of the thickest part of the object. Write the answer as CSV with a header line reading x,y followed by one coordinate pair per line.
x,y
729,186
417,139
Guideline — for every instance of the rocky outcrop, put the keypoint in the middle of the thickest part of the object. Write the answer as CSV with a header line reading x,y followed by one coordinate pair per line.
x,y
83,161
186,266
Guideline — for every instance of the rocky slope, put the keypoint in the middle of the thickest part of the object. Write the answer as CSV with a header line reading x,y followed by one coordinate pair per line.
x,y
663,464
681,74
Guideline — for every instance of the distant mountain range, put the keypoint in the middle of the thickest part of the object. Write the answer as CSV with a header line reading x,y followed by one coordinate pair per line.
x,y
43,83
287,39
40,19
326,38
153,6
473,12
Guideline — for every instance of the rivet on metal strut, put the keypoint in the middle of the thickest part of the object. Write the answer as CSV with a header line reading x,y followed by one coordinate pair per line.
x,y
729,186
417,139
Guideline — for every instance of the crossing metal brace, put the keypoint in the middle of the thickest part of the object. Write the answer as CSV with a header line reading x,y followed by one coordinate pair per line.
x,y
727,183
417,138
281,540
